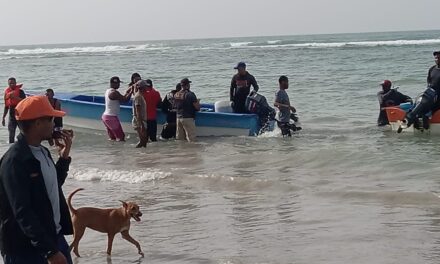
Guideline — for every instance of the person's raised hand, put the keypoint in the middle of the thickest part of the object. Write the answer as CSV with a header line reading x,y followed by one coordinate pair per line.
x,y
58,258
64,143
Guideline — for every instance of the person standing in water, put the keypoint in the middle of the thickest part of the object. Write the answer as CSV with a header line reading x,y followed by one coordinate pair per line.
x,y
135,77
186,105
241,87
113,100
153,100
139,121
56,104
13,95
169,129
429,99
58,121
389,97
282,102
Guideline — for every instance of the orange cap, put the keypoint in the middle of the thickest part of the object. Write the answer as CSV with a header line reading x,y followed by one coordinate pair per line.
x,y
34,107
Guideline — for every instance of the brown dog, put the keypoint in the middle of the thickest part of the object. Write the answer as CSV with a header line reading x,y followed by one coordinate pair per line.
x,y
110,221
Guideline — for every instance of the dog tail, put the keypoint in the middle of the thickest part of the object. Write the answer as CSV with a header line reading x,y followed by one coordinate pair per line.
x,y
69,200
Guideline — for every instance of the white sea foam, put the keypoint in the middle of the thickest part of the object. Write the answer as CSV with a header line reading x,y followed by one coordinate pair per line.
x,y
240,44
102,49
363,43
13,53
271,42
276,44
128,176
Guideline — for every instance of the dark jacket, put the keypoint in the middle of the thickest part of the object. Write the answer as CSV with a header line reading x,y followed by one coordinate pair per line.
x,y
240,89
167,107
26,216
390,98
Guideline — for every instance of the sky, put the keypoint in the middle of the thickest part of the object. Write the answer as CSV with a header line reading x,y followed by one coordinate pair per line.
x,y
25,22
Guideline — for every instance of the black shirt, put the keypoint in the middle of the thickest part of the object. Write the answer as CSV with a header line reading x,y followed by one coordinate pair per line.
x,y
434,78
167,107
240,89
184,104
390,98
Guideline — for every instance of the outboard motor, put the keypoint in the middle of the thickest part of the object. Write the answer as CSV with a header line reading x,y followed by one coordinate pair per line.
x,y
424,104
257,104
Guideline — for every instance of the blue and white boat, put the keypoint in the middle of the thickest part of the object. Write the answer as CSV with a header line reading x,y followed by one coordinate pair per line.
x,y
85,111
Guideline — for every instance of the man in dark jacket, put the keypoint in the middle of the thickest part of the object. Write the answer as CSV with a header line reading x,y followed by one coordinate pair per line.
x,y
241,87
169,128
389,97
428,101
34,215
186,105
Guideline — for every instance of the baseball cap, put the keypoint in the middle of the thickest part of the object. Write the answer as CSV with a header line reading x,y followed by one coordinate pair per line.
x,y
149,83
115,79
185,81
142,84
241,64
436,53
386,83
35,107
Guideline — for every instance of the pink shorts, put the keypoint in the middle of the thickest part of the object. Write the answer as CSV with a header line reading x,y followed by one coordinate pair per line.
x,y
114,128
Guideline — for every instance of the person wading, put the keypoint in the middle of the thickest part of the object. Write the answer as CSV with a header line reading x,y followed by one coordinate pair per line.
x,y
186,105
13,95
113,100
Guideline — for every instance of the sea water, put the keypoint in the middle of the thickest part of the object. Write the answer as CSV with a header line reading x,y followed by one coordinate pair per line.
x,y
340,191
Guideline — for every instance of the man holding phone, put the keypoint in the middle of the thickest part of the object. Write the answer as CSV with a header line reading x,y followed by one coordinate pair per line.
x,y
33,209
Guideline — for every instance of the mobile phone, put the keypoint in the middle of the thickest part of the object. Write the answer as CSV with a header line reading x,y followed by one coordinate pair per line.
x,y
56,132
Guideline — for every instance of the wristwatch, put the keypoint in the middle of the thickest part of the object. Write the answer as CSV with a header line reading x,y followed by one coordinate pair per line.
x,y
50,254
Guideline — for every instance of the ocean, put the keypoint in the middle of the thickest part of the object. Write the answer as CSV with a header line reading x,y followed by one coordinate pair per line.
x,y
340,191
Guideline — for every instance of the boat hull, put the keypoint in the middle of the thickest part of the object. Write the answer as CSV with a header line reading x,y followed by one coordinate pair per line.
x,y
86,111
396,115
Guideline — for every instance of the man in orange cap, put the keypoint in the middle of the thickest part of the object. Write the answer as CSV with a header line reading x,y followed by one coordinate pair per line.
x,y
33,209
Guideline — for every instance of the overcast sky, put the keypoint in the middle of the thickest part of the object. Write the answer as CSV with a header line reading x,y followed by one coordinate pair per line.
x,y
71,21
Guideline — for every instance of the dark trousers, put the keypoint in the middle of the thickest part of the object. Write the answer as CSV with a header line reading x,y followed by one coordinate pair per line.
x,y
168,131
152,130
239,105
35,258
12,125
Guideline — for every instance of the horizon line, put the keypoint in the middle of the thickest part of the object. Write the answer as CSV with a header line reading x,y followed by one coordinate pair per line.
x,y
222,37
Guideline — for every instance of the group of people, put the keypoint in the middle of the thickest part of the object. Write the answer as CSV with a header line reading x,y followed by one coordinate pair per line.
x,y
427,102
181,104
13,95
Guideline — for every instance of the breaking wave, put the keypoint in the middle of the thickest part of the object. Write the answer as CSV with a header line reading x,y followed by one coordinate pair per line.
x,y
240,44
103,49
15,53
295,44
133,176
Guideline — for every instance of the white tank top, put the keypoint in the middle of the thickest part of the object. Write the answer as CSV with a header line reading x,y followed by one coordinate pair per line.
x,y
112,107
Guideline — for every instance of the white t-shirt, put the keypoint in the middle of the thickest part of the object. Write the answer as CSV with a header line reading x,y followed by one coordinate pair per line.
x,y
50,180
112,107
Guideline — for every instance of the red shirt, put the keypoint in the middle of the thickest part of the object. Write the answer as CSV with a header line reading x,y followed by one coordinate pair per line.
x,y
152,98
